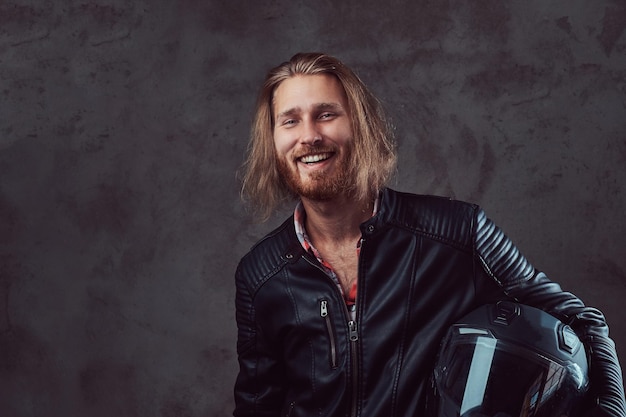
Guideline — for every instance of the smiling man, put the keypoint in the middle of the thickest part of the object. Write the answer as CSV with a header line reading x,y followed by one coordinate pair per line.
x,y
312,136
341,309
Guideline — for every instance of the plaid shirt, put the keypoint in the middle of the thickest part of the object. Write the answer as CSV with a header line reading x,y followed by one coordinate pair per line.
x,y
299,217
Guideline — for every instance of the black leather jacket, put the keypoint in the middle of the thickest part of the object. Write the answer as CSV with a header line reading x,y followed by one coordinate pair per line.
x,y
425,261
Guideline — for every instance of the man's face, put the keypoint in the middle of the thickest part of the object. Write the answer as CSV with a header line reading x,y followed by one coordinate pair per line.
x,y
312,135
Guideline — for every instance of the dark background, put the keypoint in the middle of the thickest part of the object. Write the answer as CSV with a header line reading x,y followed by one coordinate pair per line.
x,y
122,125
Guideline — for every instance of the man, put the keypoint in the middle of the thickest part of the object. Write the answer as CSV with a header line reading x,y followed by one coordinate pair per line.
x,y
340,310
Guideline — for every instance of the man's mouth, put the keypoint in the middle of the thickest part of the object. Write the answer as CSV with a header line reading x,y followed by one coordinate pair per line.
x,y
318,157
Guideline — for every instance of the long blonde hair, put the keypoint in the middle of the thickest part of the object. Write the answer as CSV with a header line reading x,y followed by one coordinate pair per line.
x,y
373,156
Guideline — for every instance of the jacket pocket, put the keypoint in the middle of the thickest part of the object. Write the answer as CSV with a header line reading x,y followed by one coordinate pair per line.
x,y
325,315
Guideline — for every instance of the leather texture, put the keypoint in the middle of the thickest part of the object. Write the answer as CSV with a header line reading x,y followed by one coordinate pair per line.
x,y
425,261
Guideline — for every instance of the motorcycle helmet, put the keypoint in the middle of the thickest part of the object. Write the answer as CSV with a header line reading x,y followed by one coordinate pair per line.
x,y
510,360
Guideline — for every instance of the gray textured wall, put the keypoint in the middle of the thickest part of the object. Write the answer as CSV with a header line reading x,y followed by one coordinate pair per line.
x,y
122,125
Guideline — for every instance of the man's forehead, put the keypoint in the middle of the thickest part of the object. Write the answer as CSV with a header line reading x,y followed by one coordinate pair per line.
x,y
322,91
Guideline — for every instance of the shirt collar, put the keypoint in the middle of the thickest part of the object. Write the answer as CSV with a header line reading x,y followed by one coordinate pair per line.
x,y
299,217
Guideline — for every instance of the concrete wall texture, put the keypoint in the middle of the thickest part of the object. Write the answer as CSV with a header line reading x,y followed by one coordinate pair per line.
x,y
122,124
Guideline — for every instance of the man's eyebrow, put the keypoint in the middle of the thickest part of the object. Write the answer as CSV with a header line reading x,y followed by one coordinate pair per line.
x,y
288,112
329,106
318,107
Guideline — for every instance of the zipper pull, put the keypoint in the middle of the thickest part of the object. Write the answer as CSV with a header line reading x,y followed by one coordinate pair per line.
x,y
323,308
354,334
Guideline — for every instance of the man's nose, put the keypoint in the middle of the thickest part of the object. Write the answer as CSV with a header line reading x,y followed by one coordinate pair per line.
x,y
310,133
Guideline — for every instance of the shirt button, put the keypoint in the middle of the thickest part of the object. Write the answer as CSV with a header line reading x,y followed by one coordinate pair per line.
x,y
370,228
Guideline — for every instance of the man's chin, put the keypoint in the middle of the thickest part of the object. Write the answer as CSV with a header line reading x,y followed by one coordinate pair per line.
x,y
316,186
318,195
320,191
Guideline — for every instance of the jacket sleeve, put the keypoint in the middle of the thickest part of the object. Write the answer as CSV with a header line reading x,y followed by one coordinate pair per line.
x,y
503,262
259,384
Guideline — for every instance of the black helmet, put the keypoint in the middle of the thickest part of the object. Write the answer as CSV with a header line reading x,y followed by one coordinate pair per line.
x,y
510,360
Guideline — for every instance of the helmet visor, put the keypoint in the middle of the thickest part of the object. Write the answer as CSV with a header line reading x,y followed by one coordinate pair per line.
x,y
479,375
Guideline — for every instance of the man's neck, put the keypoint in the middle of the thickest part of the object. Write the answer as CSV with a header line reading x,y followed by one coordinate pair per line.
x,y
336,221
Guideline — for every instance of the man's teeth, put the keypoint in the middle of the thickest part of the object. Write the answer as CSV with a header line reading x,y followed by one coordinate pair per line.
x,y
309,159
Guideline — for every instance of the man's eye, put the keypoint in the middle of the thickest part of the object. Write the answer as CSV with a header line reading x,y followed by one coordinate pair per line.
x,y
289,122
326,115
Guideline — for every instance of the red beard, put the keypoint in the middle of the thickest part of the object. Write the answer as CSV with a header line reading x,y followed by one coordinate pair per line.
x,y
319,186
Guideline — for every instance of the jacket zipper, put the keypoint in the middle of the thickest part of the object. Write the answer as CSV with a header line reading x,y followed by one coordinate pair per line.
x,y
291,406
354,336
331,334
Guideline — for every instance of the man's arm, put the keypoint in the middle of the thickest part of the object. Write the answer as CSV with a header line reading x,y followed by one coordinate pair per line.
x,y
522,282
259,385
